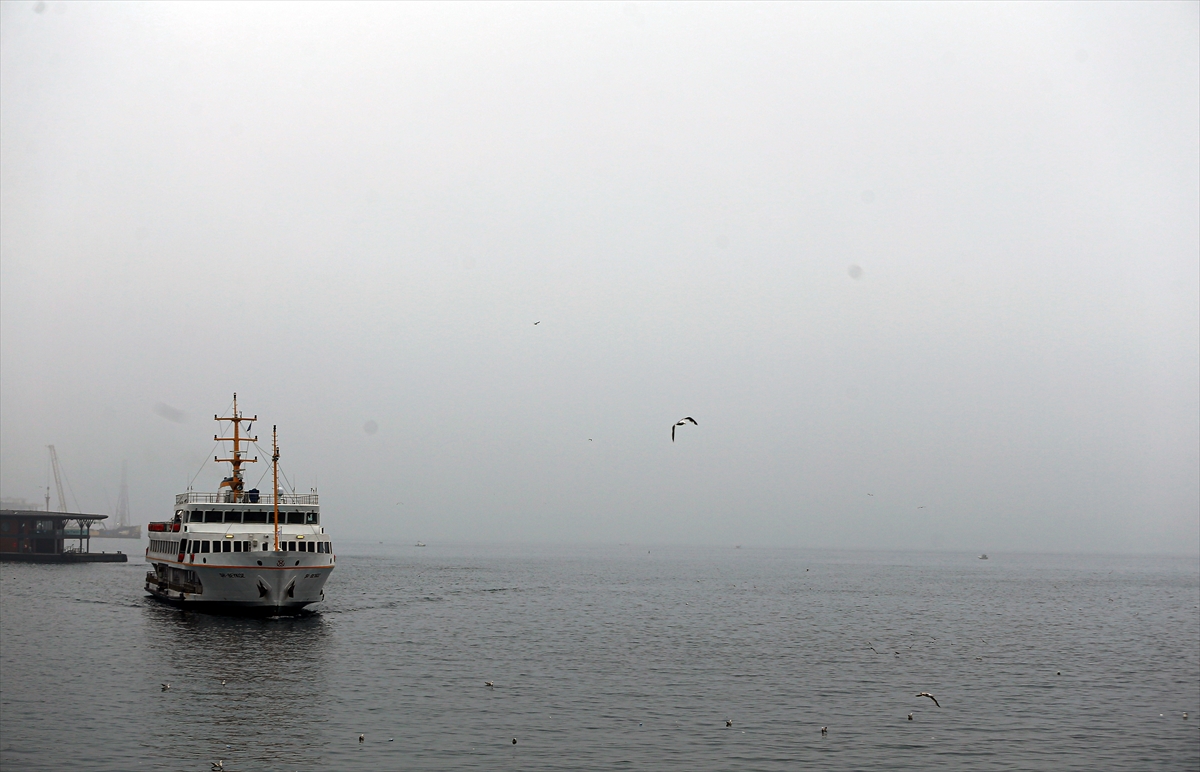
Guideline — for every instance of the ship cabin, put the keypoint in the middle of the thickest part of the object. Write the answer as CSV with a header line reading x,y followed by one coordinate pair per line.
x,y
211,522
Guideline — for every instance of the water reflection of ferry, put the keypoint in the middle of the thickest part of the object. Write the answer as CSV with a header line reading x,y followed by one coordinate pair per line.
x,y
240,550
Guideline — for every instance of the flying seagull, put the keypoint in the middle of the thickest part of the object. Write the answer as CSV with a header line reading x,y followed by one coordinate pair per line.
x,y
930,696
729,722
680,423
910,716
218,765
535,324
362,737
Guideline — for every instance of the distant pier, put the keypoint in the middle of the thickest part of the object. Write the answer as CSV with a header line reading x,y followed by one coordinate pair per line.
x,y
34,536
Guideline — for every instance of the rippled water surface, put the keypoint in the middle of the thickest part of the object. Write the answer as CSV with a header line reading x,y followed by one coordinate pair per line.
x,y
617,658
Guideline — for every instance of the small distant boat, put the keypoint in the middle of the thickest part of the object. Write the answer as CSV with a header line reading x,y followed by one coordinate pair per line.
x,y
983,556
420,544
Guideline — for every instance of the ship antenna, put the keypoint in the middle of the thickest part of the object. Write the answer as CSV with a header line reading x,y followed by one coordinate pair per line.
x,y
234,483
275,480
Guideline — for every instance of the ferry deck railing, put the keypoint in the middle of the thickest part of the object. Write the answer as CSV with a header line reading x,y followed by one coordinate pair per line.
x,y
225,497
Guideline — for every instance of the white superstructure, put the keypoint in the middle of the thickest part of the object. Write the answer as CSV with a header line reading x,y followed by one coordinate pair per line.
x,y
239,550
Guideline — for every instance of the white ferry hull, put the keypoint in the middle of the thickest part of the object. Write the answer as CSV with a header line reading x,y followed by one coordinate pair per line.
x,y
285,583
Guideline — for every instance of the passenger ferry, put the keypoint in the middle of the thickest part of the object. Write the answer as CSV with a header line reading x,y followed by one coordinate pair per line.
x,y
241,551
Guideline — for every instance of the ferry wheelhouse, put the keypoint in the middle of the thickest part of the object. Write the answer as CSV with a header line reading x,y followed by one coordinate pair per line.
x,y
237,550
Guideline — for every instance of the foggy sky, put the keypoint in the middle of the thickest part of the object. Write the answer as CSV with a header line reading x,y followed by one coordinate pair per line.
x,y
948,255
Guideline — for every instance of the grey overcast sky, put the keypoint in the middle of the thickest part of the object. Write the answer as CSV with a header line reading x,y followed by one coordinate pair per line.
x,y
927,275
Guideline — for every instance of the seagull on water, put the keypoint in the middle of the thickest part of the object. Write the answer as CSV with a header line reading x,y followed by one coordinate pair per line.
x,y
729,722
489,684
165,687
824,730
218,765
910,716
222,682
930,696
362,738
680,423
514,741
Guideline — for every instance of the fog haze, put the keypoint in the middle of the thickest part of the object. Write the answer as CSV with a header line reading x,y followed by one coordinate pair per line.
x,y
927,276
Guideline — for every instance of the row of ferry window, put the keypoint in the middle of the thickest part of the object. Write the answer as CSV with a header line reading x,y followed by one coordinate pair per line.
x,y
253,516
229,545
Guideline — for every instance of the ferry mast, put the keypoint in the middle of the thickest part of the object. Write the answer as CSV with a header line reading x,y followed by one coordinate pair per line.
x,y
234,482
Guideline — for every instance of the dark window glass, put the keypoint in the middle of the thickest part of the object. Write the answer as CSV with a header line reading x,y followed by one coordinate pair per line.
x,y
245,546
237,546
257,516
294,518
312,546
204,546
312,518
196,517
264,546
212,516
233,516
227,546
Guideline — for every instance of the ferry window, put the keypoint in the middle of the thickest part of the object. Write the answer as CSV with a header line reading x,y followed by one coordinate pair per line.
x,y
196,517
295,518
258,516
245,546
291,546
312,518
227,546
212,516
264,546
312,546
237,546
204,546
233,517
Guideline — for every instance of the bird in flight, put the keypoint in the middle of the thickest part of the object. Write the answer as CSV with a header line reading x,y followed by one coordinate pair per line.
x,y
910,716
535,324
930,696
680,423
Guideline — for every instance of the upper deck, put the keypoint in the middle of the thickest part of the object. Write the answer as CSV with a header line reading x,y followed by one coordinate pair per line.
x,y
249,497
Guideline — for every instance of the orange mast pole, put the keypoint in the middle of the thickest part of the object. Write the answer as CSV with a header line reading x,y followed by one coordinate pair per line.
x,y
235,483
275,480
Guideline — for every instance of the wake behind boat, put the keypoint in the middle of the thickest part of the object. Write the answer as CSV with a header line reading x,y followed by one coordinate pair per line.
x,y
241,551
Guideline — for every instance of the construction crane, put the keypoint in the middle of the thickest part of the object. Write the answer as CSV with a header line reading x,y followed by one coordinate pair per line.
x,y
62,500
123,501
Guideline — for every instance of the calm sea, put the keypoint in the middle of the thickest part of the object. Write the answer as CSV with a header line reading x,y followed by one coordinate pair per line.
x,y
618,658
